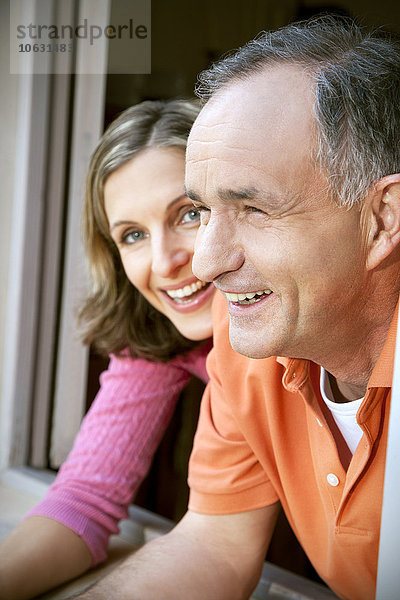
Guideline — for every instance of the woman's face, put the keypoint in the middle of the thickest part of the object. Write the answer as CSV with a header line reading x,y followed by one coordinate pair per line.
x,y
154,226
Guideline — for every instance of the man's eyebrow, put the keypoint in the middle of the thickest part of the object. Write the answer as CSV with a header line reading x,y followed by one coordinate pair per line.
x,y
238,194
192,195
228,194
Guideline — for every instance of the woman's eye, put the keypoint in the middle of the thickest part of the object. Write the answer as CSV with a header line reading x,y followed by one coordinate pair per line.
x,y
203,212
131,237
191,216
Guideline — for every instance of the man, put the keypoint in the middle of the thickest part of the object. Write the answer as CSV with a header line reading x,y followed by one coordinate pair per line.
x,y
293,164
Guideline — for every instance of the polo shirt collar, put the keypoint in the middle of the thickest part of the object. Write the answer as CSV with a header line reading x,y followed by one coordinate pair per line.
x,y
297,370
382,373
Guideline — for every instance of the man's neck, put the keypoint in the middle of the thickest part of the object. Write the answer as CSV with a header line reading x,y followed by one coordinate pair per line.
x,y
350,369
345,392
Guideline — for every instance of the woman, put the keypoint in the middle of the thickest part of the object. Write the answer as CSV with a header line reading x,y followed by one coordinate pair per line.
x,y
152,315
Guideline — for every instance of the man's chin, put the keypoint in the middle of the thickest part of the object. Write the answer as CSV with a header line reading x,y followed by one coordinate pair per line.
x,y
249,345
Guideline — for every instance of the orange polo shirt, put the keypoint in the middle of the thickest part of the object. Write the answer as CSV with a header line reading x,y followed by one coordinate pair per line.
x,y
263,437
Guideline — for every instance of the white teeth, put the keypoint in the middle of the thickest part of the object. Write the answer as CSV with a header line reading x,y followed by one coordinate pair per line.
x,y
187,290
248,297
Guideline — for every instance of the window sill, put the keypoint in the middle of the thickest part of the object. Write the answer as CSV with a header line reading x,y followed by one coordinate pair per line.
x,y
21,488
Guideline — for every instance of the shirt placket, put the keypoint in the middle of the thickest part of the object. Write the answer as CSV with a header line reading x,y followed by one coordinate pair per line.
x,y
329,472
335,484
371,419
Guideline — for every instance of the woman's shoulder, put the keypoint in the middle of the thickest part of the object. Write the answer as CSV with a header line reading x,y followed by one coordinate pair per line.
x,y
195,360
126,365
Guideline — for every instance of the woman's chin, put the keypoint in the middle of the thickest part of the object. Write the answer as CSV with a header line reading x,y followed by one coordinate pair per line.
x,y
195,332
195,324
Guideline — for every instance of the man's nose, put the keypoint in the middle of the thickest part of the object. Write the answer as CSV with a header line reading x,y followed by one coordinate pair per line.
x,y
216,250
169,253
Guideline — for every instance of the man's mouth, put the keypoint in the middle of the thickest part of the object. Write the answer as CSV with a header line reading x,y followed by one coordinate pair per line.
x,y
186,293
247,298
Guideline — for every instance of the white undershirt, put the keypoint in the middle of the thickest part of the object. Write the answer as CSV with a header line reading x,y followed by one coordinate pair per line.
x,y
343,413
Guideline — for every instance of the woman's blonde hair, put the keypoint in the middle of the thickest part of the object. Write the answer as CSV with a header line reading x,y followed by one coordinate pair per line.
x,y
116,317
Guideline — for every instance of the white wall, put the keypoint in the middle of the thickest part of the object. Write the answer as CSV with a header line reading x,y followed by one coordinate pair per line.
x,y
8,125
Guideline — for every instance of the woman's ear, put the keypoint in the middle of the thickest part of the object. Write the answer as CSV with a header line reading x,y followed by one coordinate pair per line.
x,y
382,219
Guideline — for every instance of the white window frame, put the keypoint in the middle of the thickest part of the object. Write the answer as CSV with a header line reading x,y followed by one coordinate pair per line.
x,y
24,271
33,283
72,360
388,580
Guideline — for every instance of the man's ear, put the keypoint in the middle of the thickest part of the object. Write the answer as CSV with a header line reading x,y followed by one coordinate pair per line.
x,y
382,219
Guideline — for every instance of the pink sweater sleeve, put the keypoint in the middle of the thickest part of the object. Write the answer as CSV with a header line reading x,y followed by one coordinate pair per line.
x,y
114,447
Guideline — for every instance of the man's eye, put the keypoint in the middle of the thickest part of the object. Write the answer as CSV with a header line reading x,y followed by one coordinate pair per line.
x,y
191,216
131,237
202,209
253,209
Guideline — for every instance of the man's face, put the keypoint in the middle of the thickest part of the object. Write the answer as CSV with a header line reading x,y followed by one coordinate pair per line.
x,y
287,257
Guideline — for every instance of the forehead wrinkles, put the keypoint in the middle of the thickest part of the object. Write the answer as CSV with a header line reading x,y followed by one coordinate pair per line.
x,y
212,145
220,142
215,135
212,163
213,171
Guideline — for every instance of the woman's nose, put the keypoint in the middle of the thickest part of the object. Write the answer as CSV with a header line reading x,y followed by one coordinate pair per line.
x,y
169,253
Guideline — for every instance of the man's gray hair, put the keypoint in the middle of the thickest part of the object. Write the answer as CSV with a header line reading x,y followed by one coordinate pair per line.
x,y
357,94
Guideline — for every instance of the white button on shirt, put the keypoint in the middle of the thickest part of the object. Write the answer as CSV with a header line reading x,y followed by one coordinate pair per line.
x,y
332,479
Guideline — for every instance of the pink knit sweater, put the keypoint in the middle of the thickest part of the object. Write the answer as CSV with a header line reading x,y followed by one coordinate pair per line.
x,y
114,447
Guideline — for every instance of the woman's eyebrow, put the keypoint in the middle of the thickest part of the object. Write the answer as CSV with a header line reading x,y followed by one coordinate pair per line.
x,y
176,200
119,223
128,222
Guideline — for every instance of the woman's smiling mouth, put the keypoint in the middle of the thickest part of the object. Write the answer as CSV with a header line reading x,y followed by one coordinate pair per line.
x,y
184,294
190,296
